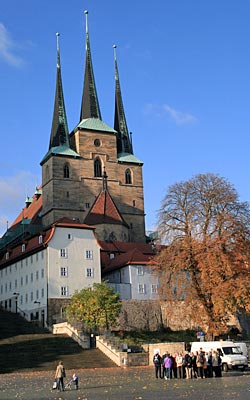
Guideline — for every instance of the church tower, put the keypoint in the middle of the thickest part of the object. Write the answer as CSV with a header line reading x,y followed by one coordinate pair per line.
x,y
77,164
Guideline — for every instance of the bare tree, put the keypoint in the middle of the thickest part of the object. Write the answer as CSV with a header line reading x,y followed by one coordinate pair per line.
x,y
206,263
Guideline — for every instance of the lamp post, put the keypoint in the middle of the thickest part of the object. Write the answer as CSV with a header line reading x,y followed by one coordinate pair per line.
x,y
16,300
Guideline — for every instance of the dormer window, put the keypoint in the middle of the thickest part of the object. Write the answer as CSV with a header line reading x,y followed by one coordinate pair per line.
x,y
111,256
23,248
7,255
40,239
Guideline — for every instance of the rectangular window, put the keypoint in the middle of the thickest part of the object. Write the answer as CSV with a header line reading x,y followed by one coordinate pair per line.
x,y
42,273
154,289
10,286
89,272
31,296
31,259
36,256
141,288
31,277
26,279
140,270
42,255
89,254
42,292
21,281
37,275
26,298
64,291
87,205
37,294
64,253
15,283
21,299
70,236
26,262
64,271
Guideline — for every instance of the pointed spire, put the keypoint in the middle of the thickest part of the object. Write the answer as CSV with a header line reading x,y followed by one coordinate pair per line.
x,y
59,130
124,144
90,105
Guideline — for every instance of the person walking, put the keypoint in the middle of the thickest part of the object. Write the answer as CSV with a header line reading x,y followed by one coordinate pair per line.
x,y
59,375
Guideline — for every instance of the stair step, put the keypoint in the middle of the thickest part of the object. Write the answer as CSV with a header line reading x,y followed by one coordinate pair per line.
x,y
24,347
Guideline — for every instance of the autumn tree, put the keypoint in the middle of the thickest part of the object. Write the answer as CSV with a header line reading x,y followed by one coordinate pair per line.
x,y
96,307
206,258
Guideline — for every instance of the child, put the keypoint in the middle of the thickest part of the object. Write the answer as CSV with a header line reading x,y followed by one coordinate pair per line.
x,y
75,380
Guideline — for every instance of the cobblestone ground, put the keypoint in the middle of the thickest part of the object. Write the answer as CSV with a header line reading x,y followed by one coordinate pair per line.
x,y
124,384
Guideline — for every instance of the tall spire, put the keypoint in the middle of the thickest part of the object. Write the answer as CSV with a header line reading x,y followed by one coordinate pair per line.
x,y
59,130
90,105
124,144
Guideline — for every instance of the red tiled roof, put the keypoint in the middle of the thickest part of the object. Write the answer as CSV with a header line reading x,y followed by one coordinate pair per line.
x,y
125,253
104,211
121,247
31,212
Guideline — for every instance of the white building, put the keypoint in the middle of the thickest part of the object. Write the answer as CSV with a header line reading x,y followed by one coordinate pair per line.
x,y
130,270
40,274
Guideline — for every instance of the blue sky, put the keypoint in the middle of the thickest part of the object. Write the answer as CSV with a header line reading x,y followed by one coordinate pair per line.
x,y
185,76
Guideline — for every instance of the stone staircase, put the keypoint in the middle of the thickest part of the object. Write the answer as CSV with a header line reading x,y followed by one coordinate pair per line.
x,y
27,347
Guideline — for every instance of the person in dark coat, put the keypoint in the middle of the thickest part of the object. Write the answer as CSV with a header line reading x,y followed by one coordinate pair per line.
x,y
157,364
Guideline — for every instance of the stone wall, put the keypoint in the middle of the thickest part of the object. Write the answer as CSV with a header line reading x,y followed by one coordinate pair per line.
x,y
140,315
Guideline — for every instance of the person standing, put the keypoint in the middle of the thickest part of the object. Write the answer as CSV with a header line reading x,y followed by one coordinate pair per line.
x,y
200,363
168,365
179,363
157,364
60,374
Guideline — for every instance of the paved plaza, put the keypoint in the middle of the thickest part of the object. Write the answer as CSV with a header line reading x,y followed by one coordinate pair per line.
x,y
124,384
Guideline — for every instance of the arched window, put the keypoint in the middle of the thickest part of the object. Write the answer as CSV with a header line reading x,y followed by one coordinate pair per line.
x,y
128,177
97,167
66,171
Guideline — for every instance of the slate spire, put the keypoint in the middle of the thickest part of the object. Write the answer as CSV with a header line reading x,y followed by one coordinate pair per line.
x,y
90,105
59,131
124,144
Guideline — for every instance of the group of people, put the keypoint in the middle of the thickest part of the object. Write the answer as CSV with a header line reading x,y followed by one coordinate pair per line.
x,y
60,375
187,365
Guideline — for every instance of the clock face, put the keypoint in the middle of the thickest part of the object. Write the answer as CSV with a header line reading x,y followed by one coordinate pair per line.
x,y
97,143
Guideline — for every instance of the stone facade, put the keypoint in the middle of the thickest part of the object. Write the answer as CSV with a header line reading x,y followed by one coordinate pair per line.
x,y
74,195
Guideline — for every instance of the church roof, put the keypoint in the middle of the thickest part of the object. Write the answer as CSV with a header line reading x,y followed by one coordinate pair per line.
x,y
59,136
94,124
59,130
90,104
128,158
104,211
124,143
62,150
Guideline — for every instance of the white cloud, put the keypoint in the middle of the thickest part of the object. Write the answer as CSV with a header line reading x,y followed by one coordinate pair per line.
x,y
179,117
7,47
13,191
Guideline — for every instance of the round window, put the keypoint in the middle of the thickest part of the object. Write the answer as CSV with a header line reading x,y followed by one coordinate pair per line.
x,y
97,143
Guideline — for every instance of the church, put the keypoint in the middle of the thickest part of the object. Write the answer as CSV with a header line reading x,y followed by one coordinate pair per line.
x,y
86,221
